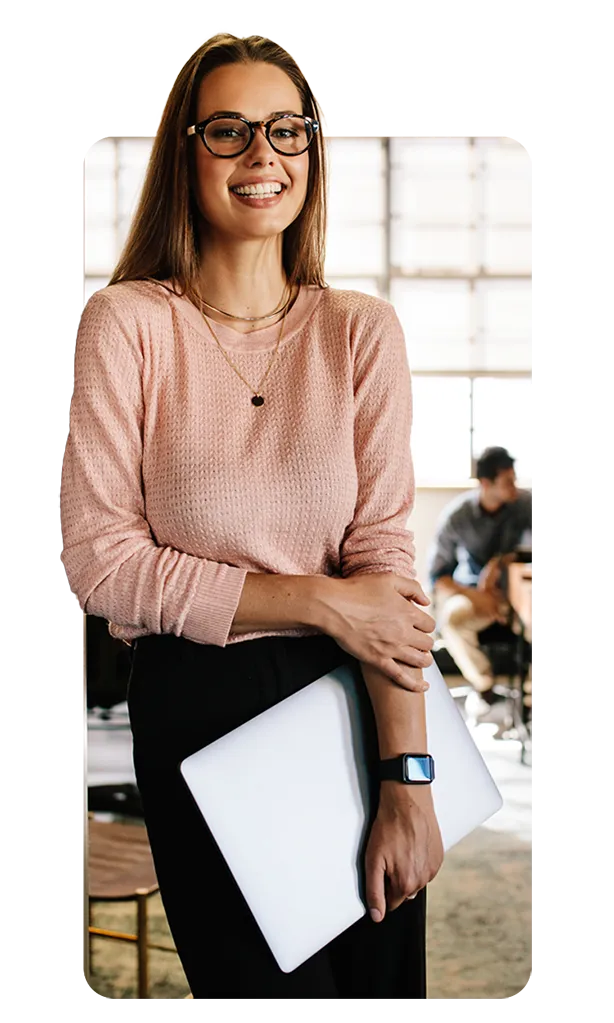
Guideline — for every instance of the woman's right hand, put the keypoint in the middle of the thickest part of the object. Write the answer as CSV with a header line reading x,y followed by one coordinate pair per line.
x,y
376,619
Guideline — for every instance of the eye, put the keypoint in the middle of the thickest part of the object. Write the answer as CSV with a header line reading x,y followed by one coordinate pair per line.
x,y
224,133
285,133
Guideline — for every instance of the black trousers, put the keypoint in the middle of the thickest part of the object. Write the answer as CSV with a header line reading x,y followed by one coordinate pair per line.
x,y
183,695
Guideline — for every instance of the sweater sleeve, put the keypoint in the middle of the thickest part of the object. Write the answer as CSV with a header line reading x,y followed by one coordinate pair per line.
x,y
377,539
113,563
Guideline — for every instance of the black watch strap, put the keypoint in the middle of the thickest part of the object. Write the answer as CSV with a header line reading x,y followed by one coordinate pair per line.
x,y
395,769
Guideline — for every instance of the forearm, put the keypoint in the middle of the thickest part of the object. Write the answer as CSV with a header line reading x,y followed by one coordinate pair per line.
x,y
272,601
400,715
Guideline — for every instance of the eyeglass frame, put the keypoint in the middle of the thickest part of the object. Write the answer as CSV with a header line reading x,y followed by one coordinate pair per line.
x,y
199,129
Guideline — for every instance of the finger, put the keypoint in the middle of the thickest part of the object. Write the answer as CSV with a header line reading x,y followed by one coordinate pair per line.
x,y
411,588
420,641
423,622
375,889
413,657
397,893
412,681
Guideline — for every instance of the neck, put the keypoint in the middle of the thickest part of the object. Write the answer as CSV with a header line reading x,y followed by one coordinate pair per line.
x,y
246,278
488,502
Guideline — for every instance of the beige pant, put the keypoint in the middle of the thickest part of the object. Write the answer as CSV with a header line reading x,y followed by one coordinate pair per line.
x,y
459,624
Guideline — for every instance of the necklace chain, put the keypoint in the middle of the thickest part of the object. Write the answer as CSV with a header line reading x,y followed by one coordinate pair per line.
x,y
251,319
257,398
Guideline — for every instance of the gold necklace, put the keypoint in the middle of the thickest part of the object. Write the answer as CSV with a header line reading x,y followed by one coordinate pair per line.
x,y
252,319
257,398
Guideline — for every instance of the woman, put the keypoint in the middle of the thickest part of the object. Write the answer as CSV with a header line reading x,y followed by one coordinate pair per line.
x,y
235,488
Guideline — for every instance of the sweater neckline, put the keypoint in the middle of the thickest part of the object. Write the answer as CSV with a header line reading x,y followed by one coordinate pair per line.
x,y
261,340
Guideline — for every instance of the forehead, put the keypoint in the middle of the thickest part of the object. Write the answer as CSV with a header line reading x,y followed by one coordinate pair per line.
x,y
255,90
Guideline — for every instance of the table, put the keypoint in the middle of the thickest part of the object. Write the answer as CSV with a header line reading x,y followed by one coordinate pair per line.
x,y
519,587
519,594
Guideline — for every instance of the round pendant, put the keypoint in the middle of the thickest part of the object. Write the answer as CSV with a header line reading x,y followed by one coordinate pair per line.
x,y
257,400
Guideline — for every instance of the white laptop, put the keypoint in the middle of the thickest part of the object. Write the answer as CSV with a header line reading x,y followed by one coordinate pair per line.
x,y
286,797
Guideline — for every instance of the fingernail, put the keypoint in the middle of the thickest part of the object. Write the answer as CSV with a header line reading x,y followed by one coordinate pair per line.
x,y
376,915
424,687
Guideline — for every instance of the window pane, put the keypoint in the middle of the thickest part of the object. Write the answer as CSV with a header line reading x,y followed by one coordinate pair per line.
x,y
355,199
415,249
503,333
348,154
503,157
100,256
507,250
441,430
134,152
354,250
133,155
99,196
442,157
431,200
506,310
365,284
502,416
130,182
436,319
356,191
507,200
100,159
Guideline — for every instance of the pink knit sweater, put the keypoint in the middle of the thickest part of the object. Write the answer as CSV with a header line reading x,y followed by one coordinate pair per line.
x,y
174,485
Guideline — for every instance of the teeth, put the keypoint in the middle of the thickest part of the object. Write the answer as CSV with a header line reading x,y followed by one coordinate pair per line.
x,y
269,189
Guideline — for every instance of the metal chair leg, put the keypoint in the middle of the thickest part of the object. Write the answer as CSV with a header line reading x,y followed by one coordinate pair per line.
x,y
141,931
88,940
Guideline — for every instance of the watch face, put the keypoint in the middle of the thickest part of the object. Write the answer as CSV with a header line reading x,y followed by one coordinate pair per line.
x,y
418,769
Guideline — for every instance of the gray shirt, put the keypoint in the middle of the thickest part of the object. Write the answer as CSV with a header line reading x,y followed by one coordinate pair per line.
x,y
468,536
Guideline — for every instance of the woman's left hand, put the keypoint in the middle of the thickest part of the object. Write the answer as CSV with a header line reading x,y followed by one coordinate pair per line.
x,y
404,846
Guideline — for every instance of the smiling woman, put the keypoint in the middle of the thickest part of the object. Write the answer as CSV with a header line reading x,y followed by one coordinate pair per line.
x,y
229,189
230,96
235,490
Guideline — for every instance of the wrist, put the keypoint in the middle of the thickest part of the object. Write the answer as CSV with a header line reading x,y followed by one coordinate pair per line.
x,y
321,595
396,793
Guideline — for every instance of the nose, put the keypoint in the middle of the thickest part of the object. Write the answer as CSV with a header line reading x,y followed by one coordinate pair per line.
x,y
260,149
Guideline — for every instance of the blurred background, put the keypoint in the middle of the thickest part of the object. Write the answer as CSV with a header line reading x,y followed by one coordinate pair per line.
x,y
440,227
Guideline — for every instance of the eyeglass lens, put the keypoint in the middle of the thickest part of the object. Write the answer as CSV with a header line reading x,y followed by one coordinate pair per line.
x,y
229,136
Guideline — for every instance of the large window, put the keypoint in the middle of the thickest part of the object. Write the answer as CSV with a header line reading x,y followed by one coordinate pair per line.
x,y
441,228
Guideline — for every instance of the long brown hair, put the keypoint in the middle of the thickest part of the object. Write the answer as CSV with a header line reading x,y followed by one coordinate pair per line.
x,y
163,240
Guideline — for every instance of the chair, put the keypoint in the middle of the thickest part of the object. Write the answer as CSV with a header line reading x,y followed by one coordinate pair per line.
x,y
120,868
510,656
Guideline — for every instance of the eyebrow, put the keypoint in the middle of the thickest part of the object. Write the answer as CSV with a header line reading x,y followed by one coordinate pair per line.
x,y
237,113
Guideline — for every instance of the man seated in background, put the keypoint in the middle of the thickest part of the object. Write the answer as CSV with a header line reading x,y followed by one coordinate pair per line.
x,y
477,536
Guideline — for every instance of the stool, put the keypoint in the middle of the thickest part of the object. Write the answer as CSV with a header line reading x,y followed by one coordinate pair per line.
x,y
121,869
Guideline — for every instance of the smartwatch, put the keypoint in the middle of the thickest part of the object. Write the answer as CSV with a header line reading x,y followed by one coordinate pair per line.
x,y
409,768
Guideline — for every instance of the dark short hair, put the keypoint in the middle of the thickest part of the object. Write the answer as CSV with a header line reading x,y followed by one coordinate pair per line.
x,y
491,462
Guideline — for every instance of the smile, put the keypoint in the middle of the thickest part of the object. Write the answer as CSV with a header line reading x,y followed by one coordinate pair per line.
x,y
259,196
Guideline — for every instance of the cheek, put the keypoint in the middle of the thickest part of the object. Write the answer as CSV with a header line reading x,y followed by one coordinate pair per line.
x,y
210,182
301,177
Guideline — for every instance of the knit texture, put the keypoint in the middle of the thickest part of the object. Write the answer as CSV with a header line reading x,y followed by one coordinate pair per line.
x,y
174,485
